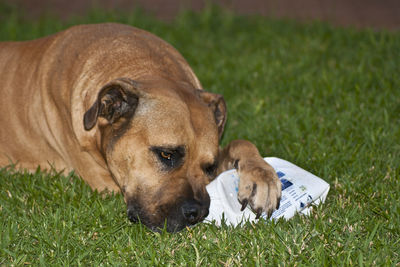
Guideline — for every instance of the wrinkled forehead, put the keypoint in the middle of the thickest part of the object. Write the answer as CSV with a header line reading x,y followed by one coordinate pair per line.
x,y
166,120
173,119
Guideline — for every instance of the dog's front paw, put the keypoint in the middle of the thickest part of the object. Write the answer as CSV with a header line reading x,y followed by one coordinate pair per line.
x,y
259,186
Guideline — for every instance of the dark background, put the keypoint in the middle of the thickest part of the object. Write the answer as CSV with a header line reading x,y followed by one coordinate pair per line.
x,y
377,14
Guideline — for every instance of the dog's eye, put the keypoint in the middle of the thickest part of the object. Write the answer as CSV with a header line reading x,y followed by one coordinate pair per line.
x,y
169,157
165,155
210,169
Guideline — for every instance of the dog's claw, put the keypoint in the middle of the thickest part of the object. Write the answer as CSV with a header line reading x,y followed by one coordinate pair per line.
x,y
244,204
278,203
258,214
259,187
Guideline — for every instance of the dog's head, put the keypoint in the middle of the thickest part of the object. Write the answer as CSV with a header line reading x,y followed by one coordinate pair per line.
x,y
160,142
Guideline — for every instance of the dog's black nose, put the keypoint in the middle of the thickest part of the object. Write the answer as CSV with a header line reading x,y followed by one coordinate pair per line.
x,y
132,215
193,212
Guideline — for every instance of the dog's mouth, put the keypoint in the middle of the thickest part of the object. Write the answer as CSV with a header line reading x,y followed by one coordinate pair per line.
x,y
173,218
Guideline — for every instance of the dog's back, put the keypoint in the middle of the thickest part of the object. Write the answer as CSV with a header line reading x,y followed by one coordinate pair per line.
x,y
20,103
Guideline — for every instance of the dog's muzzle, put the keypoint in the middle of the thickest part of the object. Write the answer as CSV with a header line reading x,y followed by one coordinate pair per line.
x,y
186,213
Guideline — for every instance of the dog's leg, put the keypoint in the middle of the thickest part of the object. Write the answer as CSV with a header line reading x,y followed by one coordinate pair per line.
x,y
259,185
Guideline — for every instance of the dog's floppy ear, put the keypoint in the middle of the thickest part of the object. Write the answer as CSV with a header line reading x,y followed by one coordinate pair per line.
x,y
217,104
117,99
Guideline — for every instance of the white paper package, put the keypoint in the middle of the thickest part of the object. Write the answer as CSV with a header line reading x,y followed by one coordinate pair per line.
x,y
300,190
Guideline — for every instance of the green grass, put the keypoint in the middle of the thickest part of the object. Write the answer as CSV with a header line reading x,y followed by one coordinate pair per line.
x,y
324,98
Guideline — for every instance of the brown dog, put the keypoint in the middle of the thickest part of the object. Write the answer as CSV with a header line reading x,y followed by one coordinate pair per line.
x,y
124,110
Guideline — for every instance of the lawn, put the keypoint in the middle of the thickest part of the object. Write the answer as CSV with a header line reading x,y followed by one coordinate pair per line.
x,y
322,97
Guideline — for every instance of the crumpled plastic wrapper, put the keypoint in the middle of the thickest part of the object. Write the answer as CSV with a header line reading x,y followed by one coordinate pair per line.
x,y
300,191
